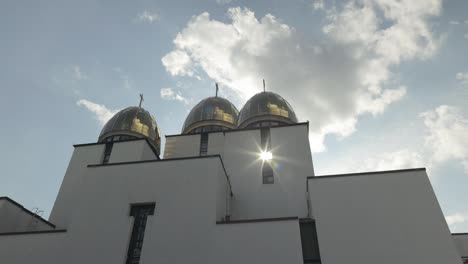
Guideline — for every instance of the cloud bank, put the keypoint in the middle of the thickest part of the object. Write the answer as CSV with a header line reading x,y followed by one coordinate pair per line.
x,y
101,112
331,81
170,94
447,135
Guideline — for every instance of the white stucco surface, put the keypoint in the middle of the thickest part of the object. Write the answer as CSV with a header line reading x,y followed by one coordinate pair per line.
x,y
383,218
292,163
182,146
14,218
70,190
34,248
461,242
263,242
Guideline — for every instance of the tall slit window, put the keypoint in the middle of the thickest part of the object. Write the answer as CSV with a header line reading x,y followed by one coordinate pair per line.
x,y
310,247
140,212
107,152
203,144
267,169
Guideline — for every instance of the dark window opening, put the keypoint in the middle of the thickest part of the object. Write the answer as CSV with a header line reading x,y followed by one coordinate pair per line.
x,y
267,170
107,152
267,173
140,213
310,248
265,138
203,144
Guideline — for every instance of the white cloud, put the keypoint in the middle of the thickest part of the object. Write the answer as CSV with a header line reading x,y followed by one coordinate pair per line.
x,y
101,112
79,74
147,16
318,4
401,159
456,218
331,81
223,2
170,94
178,62
447,134
389,160
453,22
462,77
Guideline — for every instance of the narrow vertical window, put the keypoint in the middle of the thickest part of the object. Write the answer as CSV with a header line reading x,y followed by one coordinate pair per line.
x,y
265,138
310,248
203,144
107,152
140,213
267,170
267,173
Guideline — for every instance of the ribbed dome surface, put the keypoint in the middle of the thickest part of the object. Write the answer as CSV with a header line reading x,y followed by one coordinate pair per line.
x,y
211,114
132,122
266,109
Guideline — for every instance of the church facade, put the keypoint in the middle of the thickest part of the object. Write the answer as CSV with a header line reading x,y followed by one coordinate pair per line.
x,y
233,187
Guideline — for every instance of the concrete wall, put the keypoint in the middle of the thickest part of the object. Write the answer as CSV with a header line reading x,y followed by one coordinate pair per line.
x,y
84,155
34,248
383,218
182,146
292,163
15,218
216,144
131,151
185,193
70,190
264,242
461,242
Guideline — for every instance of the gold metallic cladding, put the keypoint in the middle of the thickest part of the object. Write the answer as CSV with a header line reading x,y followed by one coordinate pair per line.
x,y
133,121
265,105
212,111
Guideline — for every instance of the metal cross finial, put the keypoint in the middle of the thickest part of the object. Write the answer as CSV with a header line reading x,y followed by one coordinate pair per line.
x,y
217,89
141,100
264,89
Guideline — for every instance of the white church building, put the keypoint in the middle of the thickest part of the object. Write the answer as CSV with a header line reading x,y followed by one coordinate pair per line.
x,y
233,188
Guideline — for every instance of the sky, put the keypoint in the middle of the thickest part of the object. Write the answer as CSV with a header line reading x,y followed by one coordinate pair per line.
x,y
383,83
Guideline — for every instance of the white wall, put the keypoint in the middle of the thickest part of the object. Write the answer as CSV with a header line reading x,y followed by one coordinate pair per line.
x,y
70,189
240,149
383,218
461,242
135,150
183,228
185,195
182,146
263,242
14,218
216,144
34,248
84,155
292,164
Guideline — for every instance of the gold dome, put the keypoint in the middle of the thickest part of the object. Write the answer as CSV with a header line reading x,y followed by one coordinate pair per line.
x,y
211,114
132,122
266,109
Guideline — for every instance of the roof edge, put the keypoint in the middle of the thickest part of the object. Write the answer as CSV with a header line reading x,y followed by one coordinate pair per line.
x,y
33,232
241,129
26,210
363,173
258,220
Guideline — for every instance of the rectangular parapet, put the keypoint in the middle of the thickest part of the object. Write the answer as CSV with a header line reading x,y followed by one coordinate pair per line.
x,y
394,215
274,240
15,218
461,243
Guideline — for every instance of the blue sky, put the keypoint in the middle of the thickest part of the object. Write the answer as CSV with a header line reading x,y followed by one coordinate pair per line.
x,y
384,84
